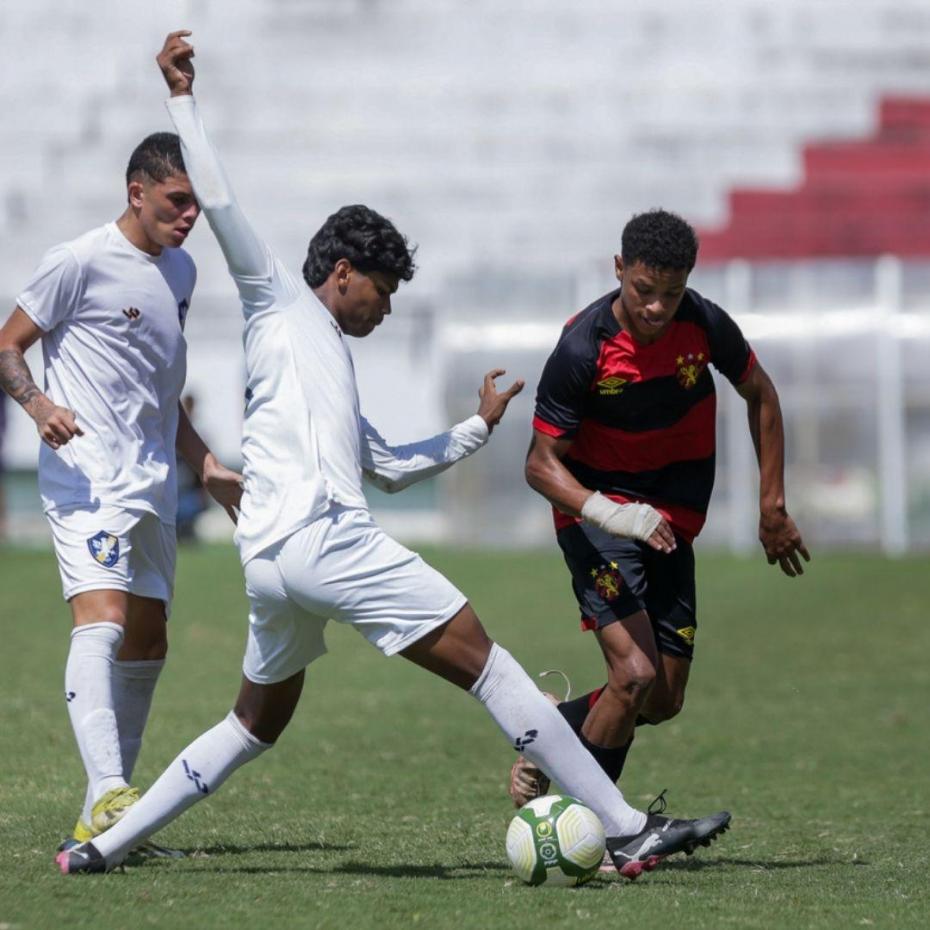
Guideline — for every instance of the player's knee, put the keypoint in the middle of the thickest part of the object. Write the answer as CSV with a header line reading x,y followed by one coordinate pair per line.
x,y
664,707
633,681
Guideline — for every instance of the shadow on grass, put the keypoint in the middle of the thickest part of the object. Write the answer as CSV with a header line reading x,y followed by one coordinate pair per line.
x,y
223,849
468,870
763,865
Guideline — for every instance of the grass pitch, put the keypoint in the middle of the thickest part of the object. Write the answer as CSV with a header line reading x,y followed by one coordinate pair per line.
x,y
384,804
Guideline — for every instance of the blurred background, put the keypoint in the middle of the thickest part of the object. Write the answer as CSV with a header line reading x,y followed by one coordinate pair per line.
x,y
512,141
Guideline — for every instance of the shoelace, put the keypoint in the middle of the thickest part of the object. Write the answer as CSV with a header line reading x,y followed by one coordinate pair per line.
x,y
659,805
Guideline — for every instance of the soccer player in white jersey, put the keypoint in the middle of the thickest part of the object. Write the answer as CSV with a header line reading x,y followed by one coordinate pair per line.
x,y
309,546
109,308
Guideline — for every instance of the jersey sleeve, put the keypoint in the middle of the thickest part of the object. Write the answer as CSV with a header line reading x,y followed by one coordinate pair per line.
x,y
393,468
54,290
730,353
249,260
563,388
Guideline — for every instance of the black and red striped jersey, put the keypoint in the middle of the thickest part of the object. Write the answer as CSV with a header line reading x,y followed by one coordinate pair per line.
x,y
642,418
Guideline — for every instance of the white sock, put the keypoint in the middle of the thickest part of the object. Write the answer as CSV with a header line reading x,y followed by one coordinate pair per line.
x,y
89,693
535,728
198,771
133,685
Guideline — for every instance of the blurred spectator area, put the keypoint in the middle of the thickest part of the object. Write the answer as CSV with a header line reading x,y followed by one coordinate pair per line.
x,y
511,142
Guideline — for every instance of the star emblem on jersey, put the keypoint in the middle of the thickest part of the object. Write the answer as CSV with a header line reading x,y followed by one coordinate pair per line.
x,y
690,367
104,547
607,580
610,387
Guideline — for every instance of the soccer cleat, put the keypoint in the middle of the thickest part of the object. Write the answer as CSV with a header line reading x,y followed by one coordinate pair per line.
x,y
83,858
661,837
111,807
82,833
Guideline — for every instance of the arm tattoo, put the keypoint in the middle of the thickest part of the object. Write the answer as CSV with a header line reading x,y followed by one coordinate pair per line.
x,y
15,377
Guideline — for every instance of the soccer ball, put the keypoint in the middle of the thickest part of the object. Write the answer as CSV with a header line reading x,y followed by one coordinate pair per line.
x,y
555,840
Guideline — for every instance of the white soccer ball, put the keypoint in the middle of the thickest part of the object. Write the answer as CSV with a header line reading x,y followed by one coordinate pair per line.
x,y
555,840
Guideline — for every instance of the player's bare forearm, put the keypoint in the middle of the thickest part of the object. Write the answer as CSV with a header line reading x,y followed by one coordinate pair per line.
x,y
223,484
778,534
16,380
547,475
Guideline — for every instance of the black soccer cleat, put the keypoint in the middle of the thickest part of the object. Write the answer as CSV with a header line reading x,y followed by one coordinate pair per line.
x,y
83,858
661,837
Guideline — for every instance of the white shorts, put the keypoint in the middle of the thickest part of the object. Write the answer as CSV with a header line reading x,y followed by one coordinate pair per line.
x,y
114,549
344,567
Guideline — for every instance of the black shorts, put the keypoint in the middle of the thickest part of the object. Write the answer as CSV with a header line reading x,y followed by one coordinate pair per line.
x,y
614,578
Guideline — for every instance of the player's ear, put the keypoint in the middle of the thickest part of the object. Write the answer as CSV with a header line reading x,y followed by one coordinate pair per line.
x,y
618,267
134,194
343,272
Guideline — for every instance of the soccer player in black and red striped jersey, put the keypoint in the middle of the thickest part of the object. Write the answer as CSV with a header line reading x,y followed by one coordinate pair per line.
x,y
625,414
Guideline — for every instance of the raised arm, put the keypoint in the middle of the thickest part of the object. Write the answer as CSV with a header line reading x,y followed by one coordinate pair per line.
x,y
393,468
249,260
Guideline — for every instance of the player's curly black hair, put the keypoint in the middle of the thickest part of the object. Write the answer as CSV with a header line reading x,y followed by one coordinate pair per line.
x,y
368,240
157,156
659,239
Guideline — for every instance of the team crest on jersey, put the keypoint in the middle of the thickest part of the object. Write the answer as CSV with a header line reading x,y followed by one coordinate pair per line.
x,y
607,581
104,547
687,634
609,387
690,367
183,307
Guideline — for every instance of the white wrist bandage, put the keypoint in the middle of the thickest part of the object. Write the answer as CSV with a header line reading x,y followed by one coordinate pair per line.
x,y
635,521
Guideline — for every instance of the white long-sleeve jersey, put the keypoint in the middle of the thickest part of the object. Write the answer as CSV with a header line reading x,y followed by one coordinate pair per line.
x,y
305,444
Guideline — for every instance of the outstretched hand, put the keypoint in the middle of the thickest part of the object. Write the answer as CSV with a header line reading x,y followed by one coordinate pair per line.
x,y
174,59
492,404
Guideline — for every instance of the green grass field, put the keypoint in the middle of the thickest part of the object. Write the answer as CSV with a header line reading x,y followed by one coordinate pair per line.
x,y
384,804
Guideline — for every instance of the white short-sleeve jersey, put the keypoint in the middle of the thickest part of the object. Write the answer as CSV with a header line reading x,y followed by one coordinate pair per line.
x,y
112,318
305,445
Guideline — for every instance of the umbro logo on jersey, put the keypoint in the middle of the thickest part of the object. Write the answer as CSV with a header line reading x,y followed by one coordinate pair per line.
x,y
183,307
610,387
132,313
335,326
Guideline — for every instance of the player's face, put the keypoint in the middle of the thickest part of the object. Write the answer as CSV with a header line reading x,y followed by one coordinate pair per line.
x,y
649,298
167,209
365,300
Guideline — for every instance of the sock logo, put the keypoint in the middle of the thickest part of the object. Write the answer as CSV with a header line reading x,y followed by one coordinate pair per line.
x,y
70,696
523,741
202,787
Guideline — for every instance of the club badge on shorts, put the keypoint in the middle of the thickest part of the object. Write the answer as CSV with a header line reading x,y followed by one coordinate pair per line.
x,y
607,581
104,547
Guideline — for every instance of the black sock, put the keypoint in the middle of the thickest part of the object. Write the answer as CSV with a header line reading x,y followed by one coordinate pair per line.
x,y
576,711
611,760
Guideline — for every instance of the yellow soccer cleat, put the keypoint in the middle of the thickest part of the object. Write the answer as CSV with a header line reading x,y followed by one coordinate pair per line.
x,y
111,807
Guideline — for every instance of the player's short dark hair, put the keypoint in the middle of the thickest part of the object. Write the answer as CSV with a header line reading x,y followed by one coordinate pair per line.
x,y
659,239
157,156
368,240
